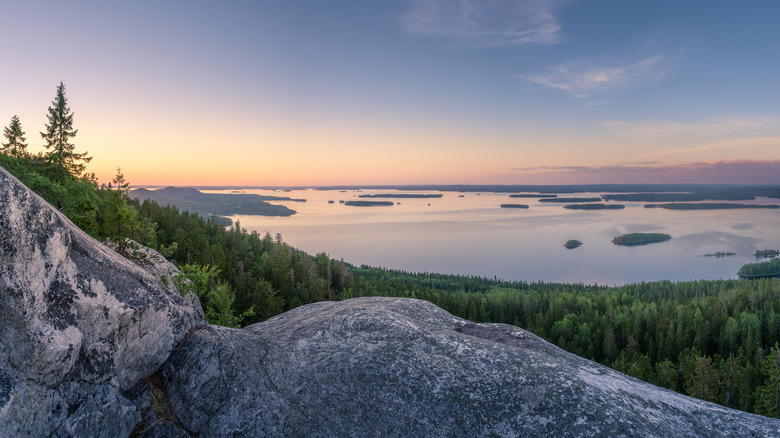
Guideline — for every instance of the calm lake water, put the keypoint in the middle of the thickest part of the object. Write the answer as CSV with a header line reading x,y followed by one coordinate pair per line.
x,y
472,235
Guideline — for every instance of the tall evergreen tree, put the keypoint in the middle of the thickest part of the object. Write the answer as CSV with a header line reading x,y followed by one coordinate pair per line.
x,y
16,145
59,132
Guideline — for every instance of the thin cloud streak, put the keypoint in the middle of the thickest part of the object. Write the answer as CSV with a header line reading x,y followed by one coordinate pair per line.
x,y
737,143
714,172
665,128
583,78
485,23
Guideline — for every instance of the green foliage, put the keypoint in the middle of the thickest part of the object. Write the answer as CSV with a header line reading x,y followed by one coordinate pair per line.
x,y
216,297
266,274
58,134
16,146
119,221
768,394
769,268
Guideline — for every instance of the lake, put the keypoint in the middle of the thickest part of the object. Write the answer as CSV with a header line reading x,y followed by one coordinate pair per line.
x,y
472,235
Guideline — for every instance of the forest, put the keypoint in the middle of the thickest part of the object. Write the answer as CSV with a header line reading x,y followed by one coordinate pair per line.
x,y
713,340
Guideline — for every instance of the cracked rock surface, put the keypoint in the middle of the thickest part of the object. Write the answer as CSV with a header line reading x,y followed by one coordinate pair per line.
x,y
381,367
78,324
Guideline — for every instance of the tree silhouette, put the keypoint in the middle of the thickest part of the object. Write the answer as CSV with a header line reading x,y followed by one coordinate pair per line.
x,y
16,145
59,132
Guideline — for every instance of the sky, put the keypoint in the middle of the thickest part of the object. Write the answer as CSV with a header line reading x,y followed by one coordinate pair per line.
x,y
302,93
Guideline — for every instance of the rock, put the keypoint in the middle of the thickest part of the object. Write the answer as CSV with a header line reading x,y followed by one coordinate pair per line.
x,y
402,367
78,324
154,263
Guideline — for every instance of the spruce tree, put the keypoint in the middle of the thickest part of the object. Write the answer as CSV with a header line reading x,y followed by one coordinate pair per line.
x,y
768,394
59,132
120,219
16,145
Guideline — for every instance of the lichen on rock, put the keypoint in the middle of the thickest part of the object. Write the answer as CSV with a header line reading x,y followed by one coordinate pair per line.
x,y
403,367
78,322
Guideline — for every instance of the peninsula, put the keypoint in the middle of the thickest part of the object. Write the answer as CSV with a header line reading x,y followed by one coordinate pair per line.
x,y
221,204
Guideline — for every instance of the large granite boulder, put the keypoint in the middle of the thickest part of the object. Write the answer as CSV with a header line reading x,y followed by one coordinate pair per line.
x,y
378,367
78,324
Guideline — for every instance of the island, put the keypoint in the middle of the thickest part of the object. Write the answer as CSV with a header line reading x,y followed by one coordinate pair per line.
x,y
571,244
708,206
766,253
678,197
720,254
403,195
634,239
570,200
514,206
767,269
594,206
532,195
220,204
369,203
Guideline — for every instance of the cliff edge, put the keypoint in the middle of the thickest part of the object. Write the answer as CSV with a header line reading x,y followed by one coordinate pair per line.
x,y
78,324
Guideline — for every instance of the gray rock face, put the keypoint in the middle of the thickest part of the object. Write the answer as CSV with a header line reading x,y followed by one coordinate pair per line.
x,y
400,367
78,323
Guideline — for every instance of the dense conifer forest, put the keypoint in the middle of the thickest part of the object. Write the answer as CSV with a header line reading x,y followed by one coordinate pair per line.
x,y
713,340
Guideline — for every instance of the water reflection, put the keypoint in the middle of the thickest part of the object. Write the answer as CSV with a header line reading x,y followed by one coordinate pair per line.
x,y
473,235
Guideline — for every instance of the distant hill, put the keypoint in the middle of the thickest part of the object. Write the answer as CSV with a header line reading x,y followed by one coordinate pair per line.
x,y
221,204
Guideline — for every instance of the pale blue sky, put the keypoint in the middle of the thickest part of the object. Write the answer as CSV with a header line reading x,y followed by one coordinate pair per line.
x,y
428,91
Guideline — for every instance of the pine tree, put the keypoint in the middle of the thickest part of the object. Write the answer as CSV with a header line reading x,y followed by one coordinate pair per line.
x,y
16,145
59,132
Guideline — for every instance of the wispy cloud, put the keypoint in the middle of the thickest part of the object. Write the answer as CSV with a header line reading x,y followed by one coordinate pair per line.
x,y
701,172
667,128
739,144
485,23
583,78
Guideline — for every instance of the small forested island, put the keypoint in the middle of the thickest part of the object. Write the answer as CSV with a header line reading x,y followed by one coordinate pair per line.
x,y
634,239
369,203
594,206
679,197
532,195
571,244
708,206
514,206
570,200
403,195
720,254
766,253
767,269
